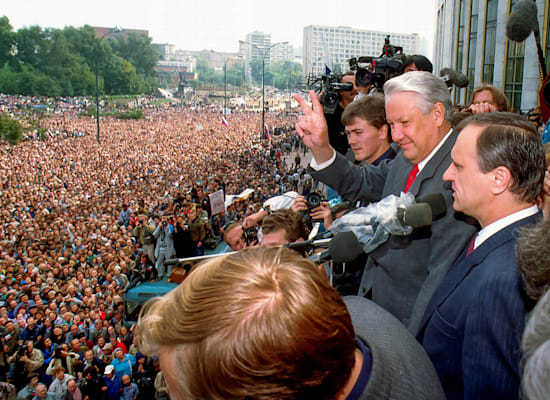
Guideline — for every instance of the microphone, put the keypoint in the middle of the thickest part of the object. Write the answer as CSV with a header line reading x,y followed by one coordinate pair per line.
x,y
426,209
452,77
196,259
522,21
417,215
344,247
308,244
437,203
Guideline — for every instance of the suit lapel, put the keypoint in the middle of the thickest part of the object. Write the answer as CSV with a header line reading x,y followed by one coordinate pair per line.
x,y
453,278
466,263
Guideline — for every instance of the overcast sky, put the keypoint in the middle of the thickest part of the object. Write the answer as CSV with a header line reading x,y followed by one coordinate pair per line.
x,y
219,25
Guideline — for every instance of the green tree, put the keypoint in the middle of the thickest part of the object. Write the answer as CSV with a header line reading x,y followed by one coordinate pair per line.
x,y
138,50
32,44
235,75
207,75
287,74
6,40
256,70
10,130
57,62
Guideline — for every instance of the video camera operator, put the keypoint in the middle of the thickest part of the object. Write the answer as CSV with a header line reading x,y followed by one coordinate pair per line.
x,y
336,129
417,62
62,357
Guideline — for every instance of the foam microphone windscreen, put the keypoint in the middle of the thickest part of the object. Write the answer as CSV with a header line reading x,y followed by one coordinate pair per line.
x,y
345,247
456,78
437,203
522,20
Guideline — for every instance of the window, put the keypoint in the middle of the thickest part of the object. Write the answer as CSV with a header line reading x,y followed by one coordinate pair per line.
x,y
472,44
513,81
490,41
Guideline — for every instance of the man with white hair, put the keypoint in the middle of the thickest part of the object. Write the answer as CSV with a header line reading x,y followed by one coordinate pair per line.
x,y
402,274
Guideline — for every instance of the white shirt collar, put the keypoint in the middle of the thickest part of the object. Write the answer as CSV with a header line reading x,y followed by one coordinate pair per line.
x,y
425,161
502,223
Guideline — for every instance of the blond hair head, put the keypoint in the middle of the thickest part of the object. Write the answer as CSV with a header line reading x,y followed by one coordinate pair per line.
x,y
258,324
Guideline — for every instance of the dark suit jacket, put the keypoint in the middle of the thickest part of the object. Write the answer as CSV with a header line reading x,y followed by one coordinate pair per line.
x,y
473,325
402,274
400,369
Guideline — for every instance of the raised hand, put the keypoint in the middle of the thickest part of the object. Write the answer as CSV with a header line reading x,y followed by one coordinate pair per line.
x,y
312,128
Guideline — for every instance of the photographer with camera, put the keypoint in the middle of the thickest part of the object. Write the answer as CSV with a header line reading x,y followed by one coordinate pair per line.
x,y
62,357
25,360
238,237
144,233
183,244
282,227
143,271
165,247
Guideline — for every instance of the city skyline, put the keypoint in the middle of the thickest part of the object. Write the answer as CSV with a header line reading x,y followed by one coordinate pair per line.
x,y
218,26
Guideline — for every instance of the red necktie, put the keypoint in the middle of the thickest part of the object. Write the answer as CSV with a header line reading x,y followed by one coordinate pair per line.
x,y
412,176
471,247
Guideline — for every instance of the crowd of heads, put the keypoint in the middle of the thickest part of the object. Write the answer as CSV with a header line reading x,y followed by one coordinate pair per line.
x,y
69,206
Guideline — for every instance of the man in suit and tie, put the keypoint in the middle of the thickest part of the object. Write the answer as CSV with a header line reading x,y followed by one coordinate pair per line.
x,y
402,274
473,324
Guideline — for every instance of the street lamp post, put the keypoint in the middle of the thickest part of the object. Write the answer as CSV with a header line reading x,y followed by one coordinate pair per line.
x,y
98,42
263,54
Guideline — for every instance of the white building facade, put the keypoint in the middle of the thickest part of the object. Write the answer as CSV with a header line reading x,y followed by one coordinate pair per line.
x,y
343,43
255,46
471,38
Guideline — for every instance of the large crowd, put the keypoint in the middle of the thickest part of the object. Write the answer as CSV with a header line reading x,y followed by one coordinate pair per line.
x,y
86,218
71,242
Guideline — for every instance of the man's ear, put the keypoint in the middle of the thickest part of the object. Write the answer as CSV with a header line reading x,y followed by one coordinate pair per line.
x,y
501,180
439,113
383,132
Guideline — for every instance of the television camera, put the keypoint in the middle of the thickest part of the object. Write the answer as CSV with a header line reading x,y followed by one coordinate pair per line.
x,y
329,86
377,70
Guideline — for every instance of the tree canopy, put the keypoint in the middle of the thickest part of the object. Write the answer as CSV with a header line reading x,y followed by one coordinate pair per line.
x,y
62,62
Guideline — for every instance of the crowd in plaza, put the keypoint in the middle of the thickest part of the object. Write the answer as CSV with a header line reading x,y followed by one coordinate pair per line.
x,y
85,217
82,222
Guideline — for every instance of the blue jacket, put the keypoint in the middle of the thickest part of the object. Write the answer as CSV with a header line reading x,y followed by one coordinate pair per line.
x,y
113,388
473,324
125,366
